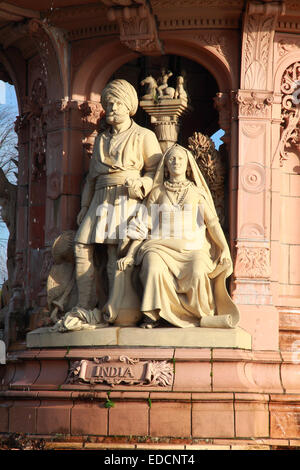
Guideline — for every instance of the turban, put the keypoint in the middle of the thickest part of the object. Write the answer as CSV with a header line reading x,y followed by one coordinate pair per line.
x,y
124,92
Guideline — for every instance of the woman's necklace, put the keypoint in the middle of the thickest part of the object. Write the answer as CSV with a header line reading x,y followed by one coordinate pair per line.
x,y
180,189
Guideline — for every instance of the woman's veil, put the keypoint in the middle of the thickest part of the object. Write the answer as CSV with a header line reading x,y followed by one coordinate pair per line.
x,y
196,175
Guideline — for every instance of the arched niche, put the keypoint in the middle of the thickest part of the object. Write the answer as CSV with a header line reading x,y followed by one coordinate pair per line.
x,y
101,64
106,61
200,85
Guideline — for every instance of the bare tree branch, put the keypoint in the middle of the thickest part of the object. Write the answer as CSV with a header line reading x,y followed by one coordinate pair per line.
x,y
8,172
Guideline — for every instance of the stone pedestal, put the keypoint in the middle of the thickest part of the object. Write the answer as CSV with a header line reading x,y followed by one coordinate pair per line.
x,y
222,397
157,337
165,114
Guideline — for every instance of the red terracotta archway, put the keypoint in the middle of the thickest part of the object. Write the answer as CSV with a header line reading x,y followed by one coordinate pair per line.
x,y
98,67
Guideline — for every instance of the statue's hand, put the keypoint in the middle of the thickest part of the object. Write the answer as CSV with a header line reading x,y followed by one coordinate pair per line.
x,y
225,259
134,187
81,215
122,263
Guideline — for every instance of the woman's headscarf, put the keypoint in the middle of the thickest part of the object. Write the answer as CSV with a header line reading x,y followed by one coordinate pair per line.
x,y
123,91
196,174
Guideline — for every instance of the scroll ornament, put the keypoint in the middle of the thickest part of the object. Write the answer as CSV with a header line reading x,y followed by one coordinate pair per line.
x,y
290,127
123,370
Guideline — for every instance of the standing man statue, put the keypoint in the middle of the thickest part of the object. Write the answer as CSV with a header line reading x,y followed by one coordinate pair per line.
x,y
120,175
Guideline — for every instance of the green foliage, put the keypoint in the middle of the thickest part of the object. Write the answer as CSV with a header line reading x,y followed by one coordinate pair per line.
x,y
109,403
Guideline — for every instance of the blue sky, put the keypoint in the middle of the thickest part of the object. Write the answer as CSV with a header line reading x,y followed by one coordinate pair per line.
x,y
7,98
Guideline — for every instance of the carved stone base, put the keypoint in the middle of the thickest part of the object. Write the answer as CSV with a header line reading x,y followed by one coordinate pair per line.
x,y
118,336
222,396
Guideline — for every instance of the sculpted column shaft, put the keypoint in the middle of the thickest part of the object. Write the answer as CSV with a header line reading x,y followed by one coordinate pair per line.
x,y
254,100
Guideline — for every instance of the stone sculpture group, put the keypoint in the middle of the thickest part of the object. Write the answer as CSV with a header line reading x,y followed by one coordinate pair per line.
x,y
149,250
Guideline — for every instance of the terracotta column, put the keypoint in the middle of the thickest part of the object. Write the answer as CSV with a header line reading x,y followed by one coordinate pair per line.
x,y
254,100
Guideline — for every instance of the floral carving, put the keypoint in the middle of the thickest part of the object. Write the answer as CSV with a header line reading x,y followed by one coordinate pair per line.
x,y
253,262
290,127
253,104
259,30
212,167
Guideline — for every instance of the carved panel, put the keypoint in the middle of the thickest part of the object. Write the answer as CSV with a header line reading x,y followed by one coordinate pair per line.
x,y
287,45
123,370
253,129
253,177
252,230
259,27
138,29
38,129
253,262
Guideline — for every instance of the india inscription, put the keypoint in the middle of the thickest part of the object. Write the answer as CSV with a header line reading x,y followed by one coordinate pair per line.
x,y
112,371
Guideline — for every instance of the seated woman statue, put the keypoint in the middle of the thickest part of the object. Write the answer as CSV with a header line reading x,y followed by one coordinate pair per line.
x,y
180,249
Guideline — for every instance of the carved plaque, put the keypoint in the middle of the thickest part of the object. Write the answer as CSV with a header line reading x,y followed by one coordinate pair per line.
x,y
124,370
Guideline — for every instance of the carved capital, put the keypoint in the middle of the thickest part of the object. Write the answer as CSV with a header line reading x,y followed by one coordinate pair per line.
x,y
138,29
259,27
253,104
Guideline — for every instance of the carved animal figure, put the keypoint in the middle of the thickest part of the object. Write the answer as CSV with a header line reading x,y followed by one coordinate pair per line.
x,y
180,91
151,85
